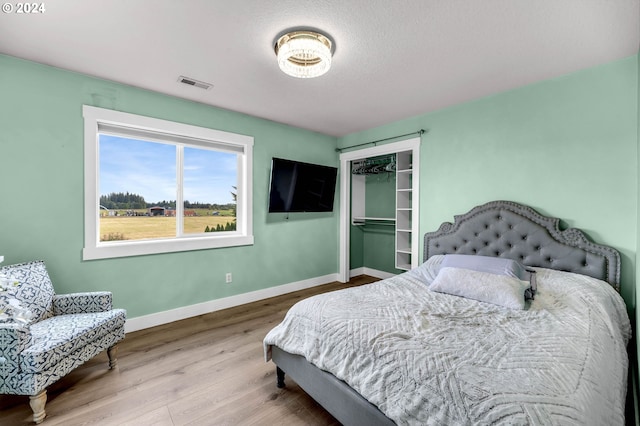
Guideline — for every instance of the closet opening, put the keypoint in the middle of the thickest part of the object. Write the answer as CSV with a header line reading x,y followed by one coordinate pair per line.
x,y
379,210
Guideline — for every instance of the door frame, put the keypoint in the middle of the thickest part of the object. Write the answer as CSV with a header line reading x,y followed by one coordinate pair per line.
x,y
413,145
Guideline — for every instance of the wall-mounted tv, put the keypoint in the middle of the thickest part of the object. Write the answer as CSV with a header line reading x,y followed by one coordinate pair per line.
x,y
301,187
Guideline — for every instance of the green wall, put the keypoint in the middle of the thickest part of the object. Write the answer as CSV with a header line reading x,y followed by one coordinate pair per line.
x,y
42,195
566,147
379,240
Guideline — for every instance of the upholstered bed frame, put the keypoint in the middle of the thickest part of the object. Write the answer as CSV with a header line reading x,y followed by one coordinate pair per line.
x,y
498,229
514,231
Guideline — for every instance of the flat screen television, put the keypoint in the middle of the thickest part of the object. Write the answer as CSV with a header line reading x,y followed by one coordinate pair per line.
x,y
301,187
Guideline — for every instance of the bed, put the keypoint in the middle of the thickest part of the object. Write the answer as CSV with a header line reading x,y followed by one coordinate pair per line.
x,y
411,350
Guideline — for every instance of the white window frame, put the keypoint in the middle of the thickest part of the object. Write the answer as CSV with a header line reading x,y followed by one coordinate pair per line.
x,y
99,118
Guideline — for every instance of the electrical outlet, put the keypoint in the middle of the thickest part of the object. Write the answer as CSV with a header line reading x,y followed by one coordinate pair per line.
x,y
228,277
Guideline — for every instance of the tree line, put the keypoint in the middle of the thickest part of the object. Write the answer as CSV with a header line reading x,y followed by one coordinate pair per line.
x,y
129,201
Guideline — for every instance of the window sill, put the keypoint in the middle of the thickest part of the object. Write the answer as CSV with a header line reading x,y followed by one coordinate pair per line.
x,y
140,248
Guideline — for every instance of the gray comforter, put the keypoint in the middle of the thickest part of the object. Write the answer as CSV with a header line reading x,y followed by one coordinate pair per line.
x,y
432,359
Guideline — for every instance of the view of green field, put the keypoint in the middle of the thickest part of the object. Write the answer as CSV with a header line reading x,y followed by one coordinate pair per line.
x,y
123,227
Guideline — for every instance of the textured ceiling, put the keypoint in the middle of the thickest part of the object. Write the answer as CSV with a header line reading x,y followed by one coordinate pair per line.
x,y
393,58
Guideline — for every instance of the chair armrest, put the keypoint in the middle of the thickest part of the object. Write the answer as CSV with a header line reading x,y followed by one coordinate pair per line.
x,y
14,338
82,303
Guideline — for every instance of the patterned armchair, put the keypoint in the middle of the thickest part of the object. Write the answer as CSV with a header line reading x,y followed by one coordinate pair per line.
x,y
64,332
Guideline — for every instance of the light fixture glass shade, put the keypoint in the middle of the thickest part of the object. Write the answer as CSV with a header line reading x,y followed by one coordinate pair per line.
x,y
304,54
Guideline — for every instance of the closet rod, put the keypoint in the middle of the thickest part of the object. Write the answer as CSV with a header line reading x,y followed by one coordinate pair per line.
x,y
419,132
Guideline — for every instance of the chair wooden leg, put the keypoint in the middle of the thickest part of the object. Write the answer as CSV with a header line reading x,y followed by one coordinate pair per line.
x,y
37,403
112,353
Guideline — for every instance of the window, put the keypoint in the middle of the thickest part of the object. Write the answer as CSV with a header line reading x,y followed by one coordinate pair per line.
x,y
155,186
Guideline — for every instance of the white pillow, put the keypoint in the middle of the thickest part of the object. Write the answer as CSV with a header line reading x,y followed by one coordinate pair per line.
x,y
501,290
492,265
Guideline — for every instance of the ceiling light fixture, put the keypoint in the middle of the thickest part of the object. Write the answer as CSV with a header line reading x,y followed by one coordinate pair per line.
x,y
304,54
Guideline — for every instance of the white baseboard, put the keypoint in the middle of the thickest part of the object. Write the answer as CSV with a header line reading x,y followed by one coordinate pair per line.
x,y
371,272
356,272
165,317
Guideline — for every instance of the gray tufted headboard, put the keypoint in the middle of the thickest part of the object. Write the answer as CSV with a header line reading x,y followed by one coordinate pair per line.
x,y
514,231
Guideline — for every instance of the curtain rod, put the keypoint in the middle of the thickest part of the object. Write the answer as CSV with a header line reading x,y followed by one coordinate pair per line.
x,y
420,132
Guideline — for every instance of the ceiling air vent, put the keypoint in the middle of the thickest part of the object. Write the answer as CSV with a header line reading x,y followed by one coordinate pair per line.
x,y
194,82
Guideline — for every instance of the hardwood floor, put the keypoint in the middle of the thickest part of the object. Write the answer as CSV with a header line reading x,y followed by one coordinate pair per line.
x,y
206,370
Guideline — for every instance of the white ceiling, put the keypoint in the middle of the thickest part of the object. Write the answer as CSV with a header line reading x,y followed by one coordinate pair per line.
x,y
393,58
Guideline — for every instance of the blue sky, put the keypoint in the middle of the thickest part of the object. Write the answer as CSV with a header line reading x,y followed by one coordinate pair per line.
x,y
149,169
